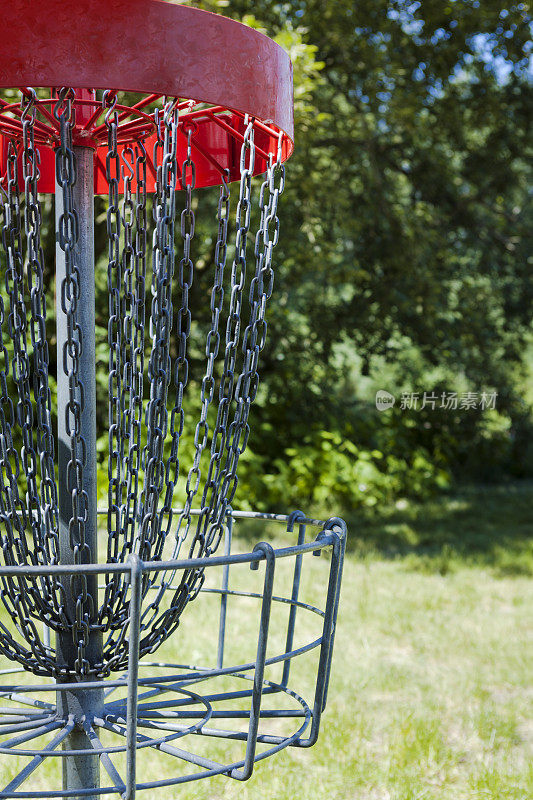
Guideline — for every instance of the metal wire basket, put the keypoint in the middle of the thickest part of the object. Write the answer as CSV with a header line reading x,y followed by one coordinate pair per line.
x,y
169,707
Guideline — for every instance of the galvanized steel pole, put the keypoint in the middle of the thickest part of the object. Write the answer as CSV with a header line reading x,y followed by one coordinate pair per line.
x,y
81,771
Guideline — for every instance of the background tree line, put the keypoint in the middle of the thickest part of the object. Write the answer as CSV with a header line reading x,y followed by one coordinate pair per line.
x,y
405,256
404,260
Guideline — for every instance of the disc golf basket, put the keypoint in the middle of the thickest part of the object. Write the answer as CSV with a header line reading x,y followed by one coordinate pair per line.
x,y
144,103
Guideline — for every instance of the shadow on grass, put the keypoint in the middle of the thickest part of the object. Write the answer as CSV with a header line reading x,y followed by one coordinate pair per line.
x,y
477,525
480,525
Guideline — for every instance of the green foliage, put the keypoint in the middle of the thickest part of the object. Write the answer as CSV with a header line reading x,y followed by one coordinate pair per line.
x,y
404,260
326,470
405,251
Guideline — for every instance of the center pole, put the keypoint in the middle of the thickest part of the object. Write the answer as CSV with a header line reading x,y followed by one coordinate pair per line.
x,y
79,771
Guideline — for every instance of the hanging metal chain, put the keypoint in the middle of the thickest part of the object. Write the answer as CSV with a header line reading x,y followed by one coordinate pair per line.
x,y
151,540
181,369
18,333
11,505
207,393
70,294
16,329
213,503
24,599
135,461
192,580
211,352
131,320
114,340
253,341
183,329
31,225
135,289
133,329
44,507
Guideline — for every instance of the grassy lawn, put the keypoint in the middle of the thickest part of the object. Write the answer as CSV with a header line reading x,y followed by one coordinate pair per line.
x,y
482,526
432,691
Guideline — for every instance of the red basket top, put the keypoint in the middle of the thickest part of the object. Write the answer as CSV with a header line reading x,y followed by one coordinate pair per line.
x,y
220,69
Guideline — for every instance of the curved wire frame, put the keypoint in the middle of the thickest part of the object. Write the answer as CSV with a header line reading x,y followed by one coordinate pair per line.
x,y
185,705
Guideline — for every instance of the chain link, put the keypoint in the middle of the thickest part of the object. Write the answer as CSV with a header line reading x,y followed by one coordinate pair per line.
x,y
44,505
115,340
181,366
151,537
211,353
213,501
70,364
43,599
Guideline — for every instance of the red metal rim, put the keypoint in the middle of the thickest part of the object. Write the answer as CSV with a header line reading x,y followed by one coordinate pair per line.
x,y
216,138
88,131
156,48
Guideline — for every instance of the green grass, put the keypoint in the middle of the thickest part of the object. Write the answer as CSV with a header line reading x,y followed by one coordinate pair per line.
x,y
489,526
431,694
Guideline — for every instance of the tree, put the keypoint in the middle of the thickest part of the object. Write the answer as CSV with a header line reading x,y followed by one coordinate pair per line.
x,y
405,232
